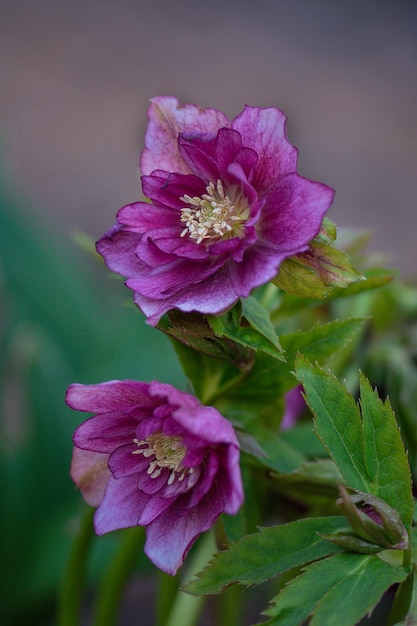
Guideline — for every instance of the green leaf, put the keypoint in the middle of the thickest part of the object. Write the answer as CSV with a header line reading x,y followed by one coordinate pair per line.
x,y
337,422
261,396
336,591
322,341
368,448
259,319
279,455
314,479
274,550
255,332
194,331
385,457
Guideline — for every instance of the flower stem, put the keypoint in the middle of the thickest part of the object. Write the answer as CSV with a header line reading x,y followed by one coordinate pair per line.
x,y
230,606
167,590
186,608
114,579
231,384
72,585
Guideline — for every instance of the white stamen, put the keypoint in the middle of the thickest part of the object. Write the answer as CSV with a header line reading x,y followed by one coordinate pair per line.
x,y
213,215
168,453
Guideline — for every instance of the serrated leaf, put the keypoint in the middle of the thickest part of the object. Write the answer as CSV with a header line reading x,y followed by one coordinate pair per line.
x,y
274,550
385,457
367,447
337,591
337,422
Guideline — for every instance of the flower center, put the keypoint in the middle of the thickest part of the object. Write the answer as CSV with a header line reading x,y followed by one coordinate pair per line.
x,y
168,453
213,215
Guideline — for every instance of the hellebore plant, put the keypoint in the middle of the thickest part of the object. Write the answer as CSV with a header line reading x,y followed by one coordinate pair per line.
x,y
232,257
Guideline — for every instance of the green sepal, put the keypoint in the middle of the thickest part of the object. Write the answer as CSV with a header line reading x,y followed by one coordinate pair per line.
x,y
313,274
387,532
352,543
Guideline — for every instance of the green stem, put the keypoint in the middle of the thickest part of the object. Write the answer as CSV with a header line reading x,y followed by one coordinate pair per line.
x,y
231,384
115,577
167,590
72,584
186,608
230,606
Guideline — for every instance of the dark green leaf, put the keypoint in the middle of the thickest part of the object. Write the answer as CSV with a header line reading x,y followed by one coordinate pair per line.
x,y
336,591
274,550
337,422
322,341
385,458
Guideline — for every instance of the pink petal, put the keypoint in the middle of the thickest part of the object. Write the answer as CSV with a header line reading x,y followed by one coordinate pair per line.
x,y
105,432
90,472
103,397
170,536
264,131
293,213
167,119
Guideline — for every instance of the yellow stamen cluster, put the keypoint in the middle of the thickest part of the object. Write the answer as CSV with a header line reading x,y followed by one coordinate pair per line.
x,y
168,453
213,215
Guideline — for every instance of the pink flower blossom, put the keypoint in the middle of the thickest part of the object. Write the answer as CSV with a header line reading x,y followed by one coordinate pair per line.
x,y
227,207
154,456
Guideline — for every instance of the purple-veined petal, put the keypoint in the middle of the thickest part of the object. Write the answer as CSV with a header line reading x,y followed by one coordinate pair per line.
x,y
167,119
263,130
105,432
170,536
293,213
115,394
121,506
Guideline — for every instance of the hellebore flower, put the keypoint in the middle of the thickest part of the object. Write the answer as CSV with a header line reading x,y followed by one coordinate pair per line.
x,y
227,207
154,456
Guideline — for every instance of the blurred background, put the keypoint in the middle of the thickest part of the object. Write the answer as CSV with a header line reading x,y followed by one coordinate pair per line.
x,y
76,79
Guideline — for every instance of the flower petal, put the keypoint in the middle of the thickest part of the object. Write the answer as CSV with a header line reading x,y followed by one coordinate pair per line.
x,y
122,505
105,432
170,536
263,130
90,472
293,213
167,119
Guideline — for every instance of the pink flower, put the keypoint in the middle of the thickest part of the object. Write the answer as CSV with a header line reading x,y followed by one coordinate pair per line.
x,y
227,207
154,456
